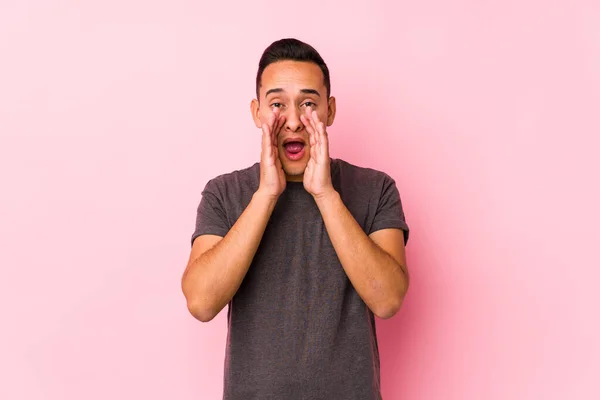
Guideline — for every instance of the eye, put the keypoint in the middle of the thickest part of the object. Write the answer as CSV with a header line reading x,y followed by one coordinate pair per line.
x,y
309,104
276,105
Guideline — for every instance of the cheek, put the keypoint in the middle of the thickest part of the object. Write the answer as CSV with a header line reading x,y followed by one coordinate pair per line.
x,y
263,114
323,116
264,111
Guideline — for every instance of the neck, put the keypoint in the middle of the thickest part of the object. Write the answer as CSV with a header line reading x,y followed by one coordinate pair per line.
x,y
294,178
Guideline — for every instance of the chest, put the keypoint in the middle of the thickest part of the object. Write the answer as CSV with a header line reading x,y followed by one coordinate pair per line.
x,y
296,253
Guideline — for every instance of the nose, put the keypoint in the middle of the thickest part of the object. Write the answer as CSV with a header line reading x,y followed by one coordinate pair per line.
x,y
292,120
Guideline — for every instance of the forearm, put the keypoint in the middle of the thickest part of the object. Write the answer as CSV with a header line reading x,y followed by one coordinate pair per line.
x,y
379,279
212,279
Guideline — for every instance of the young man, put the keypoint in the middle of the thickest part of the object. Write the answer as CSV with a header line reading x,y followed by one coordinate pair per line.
x,y
304,249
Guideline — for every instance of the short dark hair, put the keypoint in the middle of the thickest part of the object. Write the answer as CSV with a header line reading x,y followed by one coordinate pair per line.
x,y
293,50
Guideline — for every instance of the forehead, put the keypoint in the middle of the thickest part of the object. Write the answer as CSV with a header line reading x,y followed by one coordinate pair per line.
x,y
292,76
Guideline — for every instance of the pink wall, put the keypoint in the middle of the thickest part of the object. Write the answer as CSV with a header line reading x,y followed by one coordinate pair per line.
x,y
114,114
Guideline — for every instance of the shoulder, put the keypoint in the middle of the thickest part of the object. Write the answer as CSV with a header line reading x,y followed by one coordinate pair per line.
x,y
234,182
354,175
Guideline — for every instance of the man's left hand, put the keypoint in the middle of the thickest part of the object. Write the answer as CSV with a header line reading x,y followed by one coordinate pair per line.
x,y
317,176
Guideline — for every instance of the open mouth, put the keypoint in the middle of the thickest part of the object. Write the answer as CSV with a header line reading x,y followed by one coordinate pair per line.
x,y
294,149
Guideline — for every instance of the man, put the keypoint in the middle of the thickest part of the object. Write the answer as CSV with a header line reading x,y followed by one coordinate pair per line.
x,y
304,249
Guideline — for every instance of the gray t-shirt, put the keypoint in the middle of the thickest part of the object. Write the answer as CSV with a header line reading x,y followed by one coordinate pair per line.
x,y
298,329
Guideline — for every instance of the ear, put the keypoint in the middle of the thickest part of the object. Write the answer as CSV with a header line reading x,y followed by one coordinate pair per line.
x,y
254,109
330,110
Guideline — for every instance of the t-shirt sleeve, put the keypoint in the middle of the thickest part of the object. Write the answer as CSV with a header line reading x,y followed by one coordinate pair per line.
x,y
389,212
211,218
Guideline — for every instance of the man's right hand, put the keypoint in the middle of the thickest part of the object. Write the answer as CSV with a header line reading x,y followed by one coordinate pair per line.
x,y
218,265
272,177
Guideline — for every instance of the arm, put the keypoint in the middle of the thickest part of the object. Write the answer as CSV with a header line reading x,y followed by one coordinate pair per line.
x,y
218,265
375,265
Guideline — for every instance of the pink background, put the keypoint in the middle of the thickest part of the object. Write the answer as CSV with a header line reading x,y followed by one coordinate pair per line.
x,y
114,114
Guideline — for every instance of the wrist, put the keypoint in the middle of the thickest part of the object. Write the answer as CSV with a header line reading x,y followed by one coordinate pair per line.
x,y
262,197
326,196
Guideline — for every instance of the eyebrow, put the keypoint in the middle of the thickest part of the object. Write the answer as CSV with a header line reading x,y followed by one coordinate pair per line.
x,y
279,90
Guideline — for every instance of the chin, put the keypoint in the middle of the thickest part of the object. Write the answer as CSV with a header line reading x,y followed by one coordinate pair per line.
x,y
294,171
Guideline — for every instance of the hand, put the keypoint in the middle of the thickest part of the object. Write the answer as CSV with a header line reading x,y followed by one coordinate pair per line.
x,y
272,177
317,175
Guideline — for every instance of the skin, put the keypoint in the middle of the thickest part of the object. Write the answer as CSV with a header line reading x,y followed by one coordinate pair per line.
x,y
289,91
293,103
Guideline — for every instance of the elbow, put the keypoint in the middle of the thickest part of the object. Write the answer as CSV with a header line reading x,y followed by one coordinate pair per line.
x,y
201,312
198,304
200,309
389,308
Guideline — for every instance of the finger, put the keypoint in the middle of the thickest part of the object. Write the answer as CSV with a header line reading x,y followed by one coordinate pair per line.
x,y
309,117
313,138
314,119
322,133
273,134
268,133
274,127
306,122
274,115
309,128
279,126
266,142
277,160
324,144
283,119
